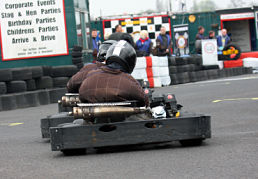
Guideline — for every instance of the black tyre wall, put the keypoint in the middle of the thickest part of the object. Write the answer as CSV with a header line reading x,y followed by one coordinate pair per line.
x,y
36,71
16,86
31,85
21,74
6,75
64,71
3,88
60,81
44,82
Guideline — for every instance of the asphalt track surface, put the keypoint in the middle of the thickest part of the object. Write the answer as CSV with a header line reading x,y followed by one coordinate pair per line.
x,y
232,152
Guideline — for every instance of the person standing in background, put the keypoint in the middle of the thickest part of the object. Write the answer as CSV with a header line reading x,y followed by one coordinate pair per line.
x,y
144,45
223,39
118,28
212,35
200,35
164,43
95,43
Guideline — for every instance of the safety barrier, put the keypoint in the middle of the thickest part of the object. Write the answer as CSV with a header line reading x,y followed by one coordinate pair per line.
x,y
249,55
233,63
33,86
153,69
251,62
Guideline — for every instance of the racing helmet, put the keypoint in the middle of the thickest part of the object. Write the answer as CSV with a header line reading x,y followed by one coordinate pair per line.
x,y
122,53
122,36
103,48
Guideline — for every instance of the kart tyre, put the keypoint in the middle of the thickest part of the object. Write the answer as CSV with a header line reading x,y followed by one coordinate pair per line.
x,y
21,100
80,65
36,71
201,75
3,88
47,70
77,48
221,73
180,61
212,74
21,74
56,94
44,82
8,102
210,67
16,86
229,46
183,78
71,152
172,70
77,60
183,68
192,77
32,98
228,72
174,80
171,61
248,70
60,81
192,60
191,67
43,97
197,68
31,85
6,75
197,59
76,54
64,71
191,142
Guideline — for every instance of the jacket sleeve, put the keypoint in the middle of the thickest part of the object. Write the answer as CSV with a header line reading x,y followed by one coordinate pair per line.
x,y
74,83
138,94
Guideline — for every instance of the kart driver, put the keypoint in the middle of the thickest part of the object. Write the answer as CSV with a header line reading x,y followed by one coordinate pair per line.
x,y
113,82
75,82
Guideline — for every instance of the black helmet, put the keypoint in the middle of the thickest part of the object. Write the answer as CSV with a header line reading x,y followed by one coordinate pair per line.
x,y
103,48
122,53
122,36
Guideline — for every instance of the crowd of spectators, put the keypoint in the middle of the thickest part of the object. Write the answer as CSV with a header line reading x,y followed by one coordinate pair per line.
x,y
144,45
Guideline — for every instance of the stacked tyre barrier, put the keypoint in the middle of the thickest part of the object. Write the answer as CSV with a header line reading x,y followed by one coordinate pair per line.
x,y
190,69
153,69
77,58
33,86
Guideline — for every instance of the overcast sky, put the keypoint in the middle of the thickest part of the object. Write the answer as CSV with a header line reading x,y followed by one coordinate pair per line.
x,y
118,7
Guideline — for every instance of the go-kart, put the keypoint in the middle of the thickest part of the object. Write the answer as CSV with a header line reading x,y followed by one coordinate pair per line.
x,y
99,125
66,104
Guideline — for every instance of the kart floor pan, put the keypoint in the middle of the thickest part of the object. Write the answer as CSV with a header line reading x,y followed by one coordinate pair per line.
x,y
72,136
54,121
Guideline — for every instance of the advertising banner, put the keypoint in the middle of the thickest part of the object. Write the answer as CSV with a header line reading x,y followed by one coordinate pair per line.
x,y
209,52
181,39
32,29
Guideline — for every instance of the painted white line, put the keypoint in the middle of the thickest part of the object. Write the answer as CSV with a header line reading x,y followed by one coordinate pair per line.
x,y
230,79
234,99
11,124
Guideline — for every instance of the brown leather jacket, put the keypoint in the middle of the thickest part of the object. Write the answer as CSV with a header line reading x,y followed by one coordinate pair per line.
x,y
75,82
111,85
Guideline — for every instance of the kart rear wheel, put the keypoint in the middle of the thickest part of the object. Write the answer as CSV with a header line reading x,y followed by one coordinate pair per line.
x,y
69,152
191,142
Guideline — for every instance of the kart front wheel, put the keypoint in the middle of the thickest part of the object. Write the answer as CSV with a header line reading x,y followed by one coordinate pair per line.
x,y
191,142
